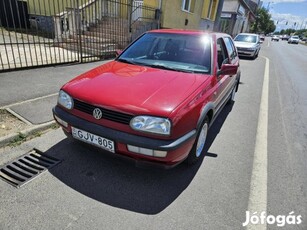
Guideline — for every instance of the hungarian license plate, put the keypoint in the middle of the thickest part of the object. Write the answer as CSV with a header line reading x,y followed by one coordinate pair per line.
x,y
93,139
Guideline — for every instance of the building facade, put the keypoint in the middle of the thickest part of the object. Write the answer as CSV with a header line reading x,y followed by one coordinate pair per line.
x,y
237,16
186,14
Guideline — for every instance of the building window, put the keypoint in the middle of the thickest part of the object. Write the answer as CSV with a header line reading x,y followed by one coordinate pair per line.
x,y
188,5
209,9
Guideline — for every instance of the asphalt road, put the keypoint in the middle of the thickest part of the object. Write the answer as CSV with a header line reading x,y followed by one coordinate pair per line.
x,y
23,85
256,161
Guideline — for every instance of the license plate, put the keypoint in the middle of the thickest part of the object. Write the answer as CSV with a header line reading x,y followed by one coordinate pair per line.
x,y
93,139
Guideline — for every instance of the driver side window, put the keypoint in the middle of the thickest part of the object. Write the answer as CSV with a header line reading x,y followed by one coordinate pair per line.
x,y
222,55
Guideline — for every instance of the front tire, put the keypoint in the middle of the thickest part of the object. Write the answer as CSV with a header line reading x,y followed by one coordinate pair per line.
x,y
198,148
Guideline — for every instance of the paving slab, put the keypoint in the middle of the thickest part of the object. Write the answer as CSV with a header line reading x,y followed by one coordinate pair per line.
x,y
38,111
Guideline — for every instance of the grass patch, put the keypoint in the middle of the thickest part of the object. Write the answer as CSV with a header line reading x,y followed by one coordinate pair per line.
x,y
25,137
18,140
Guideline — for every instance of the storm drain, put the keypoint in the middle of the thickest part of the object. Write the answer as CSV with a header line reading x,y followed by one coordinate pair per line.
x,y
27,167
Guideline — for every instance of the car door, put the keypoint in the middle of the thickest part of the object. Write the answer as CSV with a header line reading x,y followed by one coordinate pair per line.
x,y
224,82
233,59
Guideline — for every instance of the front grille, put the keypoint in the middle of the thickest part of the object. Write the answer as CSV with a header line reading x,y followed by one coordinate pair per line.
x,y
106,113
244,49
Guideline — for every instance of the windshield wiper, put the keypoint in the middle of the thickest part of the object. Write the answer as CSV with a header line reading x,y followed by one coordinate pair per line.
x,y
168,68
176,69
126,61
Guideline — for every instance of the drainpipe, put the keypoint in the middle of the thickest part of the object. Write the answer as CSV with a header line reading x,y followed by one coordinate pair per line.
x,y
160,12
217,25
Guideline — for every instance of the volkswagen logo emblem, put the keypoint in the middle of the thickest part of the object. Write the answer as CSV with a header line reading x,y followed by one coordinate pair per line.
x,y
97,114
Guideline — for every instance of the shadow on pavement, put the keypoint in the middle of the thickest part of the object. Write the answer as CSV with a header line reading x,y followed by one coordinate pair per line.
x,y
119,183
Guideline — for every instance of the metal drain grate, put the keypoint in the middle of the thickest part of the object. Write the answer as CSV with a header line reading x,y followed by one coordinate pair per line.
x,y
27,167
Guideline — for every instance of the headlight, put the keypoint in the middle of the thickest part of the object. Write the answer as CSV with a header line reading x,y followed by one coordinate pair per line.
x,y
65,100
151,124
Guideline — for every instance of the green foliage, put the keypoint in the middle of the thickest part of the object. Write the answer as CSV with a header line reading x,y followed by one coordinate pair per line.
x,y
263,23
18,140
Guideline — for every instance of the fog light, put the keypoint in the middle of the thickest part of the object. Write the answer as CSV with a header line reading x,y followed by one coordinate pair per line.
x,y
132,148
158,153
147,152
60,121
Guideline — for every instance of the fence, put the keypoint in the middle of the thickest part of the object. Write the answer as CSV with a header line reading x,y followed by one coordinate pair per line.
x,y
43,32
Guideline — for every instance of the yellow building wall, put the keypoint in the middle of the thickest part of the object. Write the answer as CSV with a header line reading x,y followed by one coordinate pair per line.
x,y
174,17
152,3
50,7
53,7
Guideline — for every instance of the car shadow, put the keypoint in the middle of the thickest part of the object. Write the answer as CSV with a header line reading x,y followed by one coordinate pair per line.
x,y
119,183
248,58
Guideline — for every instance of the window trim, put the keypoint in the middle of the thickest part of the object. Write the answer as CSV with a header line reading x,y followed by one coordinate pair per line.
x,y
189,7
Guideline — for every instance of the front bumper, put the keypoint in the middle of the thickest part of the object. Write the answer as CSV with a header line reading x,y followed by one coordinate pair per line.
x,y
247,53
177,150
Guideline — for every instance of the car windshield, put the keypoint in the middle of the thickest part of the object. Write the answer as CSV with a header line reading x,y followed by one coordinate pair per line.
x,y
295,37
176,52
246,38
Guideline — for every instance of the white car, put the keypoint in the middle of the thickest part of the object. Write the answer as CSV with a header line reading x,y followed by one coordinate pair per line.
x,y
248,44
294,40
275,38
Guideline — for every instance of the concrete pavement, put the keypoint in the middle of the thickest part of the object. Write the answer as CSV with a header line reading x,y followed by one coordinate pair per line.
x,y
29,95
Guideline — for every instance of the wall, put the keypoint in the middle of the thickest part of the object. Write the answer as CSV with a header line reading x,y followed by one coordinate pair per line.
x,y
174,17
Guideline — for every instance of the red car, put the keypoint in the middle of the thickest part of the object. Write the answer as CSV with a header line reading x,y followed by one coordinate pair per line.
x,y
156,101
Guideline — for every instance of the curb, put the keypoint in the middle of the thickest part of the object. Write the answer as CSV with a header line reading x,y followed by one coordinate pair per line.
x,y
35,128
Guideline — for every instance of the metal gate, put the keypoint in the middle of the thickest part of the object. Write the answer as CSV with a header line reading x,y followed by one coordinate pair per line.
x,y
40,33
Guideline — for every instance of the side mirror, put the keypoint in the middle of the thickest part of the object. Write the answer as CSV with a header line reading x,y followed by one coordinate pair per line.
x,y
228,69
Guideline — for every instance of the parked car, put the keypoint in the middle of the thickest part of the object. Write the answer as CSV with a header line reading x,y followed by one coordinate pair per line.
x,y
248,44
285,37
275,38
156,101
294,40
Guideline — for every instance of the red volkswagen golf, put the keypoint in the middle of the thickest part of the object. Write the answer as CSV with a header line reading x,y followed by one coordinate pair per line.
x,y
156,101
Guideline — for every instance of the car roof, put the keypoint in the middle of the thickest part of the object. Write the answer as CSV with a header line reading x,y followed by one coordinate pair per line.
x,y
191,32
248,34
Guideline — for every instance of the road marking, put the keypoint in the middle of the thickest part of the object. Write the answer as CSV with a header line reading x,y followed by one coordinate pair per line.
x,y
30,100
258,188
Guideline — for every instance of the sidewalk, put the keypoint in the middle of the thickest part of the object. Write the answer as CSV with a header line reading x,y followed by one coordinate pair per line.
x,y
27,98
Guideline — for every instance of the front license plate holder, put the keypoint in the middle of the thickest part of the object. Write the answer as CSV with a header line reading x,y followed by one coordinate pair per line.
x,y
93,139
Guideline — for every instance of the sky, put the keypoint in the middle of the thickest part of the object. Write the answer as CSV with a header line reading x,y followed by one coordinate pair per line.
x,y
287,14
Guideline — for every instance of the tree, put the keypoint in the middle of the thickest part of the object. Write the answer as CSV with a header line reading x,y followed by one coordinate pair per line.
x,y
263,23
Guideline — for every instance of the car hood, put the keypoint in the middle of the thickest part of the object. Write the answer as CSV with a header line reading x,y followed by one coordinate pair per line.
x,y
134,89
245,44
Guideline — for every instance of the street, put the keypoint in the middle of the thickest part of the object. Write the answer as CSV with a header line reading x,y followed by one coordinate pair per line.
x,y
256,162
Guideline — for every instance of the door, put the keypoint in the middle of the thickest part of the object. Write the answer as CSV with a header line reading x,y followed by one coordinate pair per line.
x,y
225,83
